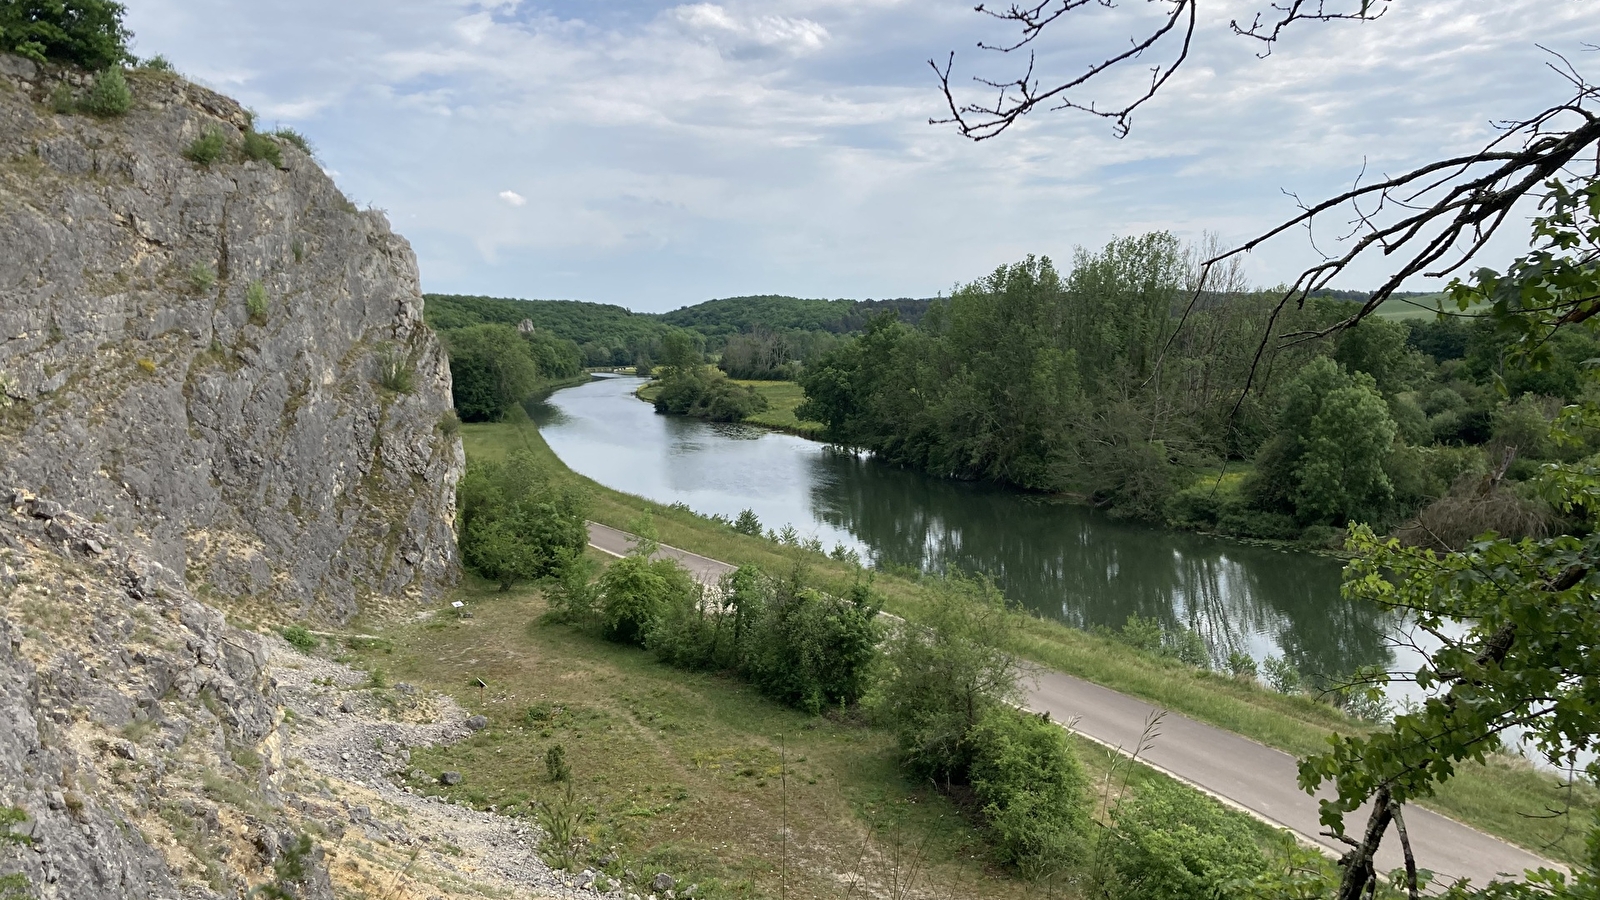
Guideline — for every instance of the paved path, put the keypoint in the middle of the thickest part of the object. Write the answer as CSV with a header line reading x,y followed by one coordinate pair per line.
x,y
1242,773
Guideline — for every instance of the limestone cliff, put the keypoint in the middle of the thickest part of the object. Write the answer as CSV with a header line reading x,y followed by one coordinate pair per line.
x,y
192,354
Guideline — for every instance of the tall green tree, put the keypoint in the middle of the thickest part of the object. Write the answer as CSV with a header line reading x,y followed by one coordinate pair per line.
x,y
516,523
491,371
87,33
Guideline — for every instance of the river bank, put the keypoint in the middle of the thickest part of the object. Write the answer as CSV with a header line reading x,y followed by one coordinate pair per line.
x,y
1497,797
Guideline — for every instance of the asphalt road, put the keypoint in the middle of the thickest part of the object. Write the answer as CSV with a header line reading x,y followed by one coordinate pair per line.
x,y
1248,776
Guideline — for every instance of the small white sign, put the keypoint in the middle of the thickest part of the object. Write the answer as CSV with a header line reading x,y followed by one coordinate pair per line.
x,y
458,604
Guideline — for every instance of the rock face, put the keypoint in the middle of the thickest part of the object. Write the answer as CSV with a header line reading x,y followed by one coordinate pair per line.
x,y
226,364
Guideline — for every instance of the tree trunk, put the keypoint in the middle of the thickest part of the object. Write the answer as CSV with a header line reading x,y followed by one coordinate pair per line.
x,y
1359,871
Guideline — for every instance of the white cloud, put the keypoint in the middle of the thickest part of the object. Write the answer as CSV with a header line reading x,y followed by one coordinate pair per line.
x,y
683,151
513,198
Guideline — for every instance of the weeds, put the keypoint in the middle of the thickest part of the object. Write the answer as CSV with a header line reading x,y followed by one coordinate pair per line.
x,y
157,63
555,764
10,818
294,138
394,370
109,97
147,365
299,638
255,302
63,100
207,148
562,821
202,277
259,147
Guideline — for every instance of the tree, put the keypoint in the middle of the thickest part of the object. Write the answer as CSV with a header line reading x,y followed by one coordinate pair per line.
x,y
87,33
516,524
491,371
946,672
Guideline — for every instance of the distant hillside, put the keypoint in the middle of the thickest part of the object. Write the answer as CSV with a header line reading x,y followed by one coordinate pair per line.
x,y
613,335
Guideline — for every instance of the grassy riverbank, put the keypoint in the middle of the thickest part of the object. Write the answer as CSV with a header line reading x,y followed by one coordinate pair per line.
x,y
1506,797
691,774
783,397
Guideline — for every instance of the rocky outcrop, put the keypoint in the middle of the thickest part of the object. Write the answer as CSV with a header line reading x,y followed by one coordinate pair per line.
x,y
225,365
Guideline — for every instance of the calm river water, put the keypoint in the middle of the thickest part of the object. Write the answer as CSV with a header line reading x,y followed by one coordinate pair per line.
x,y
1059,559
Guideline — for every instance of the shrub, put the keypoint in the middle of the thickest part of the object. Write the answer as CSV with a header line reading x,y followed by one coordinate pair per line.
x,y
515,523
299,638
147,365
555,763
707,395
87,33
943,675
157,63
449,423
1281,675
63,100
795,644
1241,664
747,523
202,277
255,302
257,146
109,96
636,590
1172,843
1033,791
394,370
293,138
207,148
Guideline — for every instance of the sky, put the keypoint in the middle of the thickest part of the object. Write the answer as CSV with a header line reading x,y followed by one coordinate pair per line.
x,y
656,155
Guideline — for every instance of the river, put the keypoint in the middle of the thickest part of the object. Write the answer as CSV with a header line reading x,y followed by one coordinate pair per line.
x,y
1059,559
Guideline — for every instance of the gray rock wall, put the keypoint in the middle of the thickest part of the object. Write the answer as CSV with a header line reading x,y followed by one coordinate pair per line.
x,y
255,454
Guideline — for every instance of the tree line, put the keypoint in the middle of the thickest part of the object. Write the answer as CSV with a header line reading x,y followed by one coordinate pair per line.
x,y
1124,380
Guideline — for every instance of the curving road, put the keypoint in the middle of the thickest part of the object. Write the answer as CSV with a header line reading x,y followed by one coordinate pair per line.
x,y
1248,776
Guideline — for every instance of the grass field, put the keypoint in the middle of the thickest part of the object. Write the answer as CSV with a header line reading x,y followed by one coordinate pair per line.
x,y
694,775
1507,797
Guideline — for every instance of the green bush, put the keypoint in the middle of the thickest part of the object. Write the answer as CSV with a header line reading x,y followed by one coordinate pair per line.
x,y
636,590
1173,843
207,148
292,137
109,96
747,523
299,638
395,372
944,675
255,302
157,63
257,146
87,33
63,100
516,523
491,371
795,644
201,277
709,395
1033,791
555,763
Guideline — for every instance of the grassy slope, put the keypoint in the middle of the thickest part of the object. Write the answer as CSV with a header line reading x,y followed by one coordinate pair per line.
x,y
1499,798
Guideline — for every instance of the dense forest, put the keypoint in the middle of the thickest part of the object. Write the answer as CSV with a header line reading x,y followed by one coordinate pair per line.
x,y
765,337
1119,380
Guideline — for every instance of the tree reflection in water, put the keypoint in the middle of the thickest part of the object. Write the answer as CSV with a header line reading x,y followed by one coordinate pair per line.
x,y
1075,564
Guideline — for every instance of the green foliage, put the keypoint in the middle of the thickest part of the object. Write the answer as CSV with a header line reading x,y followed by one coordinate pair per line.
x,y
1281,675
494,368
395,372
1326,463
1032,791
1241,664
747,523
556,767
635,591
706,394
294,138
10,818
1377,348
86,33
201,277
943,675
255,302
562,820
795,644
1173,843
109,96
1150,635
15,886
257,146
157,63
516,523
207,148
299,638
62,99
